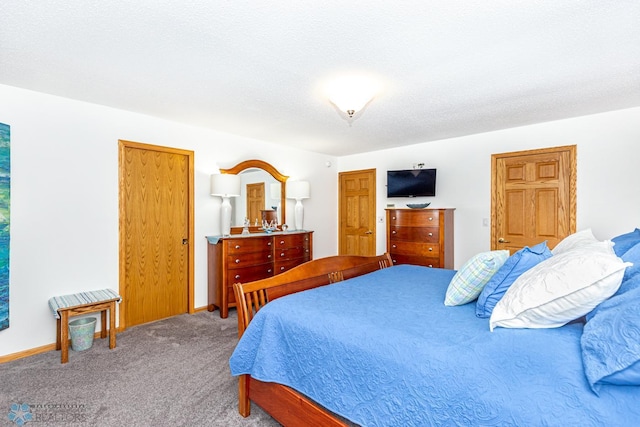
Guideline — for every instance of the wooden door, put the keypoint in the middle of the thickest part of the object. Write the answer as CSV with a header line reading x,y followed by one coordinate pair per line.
x,y
533,197
357,212
255,201
156,228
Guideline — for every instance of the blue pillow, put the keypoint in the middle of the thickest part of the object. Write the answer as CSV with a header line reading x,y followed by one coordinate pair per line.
x,y
631,255
517,264
609,342
624,242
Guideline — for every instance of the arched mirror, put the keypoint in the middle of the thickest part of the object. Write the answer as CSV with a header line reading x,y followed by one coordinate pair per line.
x,y
262,194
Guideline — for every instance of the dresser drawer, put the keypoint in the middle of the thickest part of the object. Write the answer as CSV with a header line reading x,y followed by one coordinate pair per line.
x,y
291,241
425,234
254,244
415,248
415,260
249,274
289,253
242,260
282,266
414,218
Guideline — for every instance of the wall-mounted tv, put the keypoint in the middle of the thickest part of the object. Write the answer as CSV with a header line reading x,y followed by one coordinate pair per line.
x,y
411,183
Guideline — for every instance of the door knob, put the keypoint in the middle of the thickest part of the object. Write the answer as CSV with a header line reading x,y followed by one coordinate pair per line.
x,y
501,240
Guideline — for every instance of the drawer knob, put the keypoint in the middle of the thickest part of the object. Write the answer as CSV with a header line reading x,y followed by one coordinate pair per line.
x,y
281,268
282,242
430,249
269,243
393,246
237,276
269,271
430,219
237,246
393,217
237,261
430,265
393,232
269,256
430,234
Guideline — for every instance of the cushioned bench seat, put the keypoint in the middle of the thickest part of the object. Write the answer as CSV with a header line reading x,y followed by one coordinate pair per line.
x,y
71,305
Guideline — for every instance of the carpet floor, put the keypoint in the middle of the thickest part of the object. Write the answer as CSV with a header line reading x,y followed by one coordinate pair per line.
x,y
173,372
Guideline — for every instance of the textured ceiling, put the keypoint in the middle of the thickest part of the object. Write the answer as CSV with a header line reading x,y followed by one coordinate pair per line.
x,y
255,68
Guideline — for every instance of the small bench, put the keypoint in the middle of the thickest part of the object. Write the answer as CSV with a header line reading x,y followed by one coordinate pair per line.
x,y
66,306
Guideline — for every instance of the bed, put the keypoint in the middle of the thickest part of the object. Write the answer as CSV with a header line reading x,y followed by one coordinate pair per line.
x,y
378,347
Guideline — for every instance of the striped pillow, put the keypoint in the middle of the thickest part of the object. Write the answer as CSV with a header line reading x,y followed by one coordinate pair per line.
x,y
468,282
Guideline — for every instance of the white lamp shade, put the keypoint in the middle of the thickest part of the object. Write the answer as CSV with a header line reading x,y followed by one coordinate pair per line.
x,y
298,190
274,189
225,185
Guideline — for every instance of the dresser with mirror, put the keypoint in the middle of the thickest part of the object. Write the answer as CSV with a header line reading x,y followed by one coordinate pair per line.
x,y
245,257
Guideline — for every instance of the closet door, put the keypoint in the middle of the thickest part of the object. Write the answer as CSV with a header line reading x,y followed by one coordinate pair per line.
x,y
155,226
533,197
357,212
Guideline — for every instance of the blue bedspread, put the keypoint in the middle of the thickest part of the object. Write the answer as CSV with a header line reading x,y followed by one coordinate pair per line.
x,y
383,350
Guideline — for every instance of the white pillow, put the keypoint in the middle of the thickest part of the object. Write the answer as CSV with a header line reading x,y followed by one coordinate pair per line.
x,y
575,241
560,289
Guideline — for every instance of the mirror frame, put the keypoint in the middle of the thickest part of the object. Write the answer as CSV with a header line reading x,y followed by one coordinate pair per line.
x,y
282,179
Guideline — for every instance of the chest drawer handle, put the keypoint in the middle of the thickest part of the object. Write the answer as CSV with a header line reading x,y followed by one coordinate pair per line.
x,y
393,246
430,234
268,243
282,254
269,271
269,256
430,219
430,249
393,218
282,242
393,232
237,261
430,266
237,276
281,268
237,246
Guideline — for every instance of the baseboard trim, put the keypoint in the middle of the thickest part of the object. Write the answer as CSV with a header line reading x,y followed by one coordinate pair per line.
x,y
48,347
27,353
43,349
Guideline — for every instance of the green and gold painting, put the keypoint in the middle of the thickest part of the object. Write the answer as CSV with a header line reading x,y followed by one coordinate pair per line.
x,y
5,194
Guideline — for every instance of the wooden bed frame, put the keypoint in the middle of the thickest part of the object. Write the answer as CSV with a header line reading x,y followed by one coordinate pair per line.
x,y
284,404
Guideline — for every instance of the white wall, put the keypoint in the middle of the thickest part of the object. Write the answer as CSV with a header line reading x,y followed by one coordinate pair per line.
x,y
608,186
64,199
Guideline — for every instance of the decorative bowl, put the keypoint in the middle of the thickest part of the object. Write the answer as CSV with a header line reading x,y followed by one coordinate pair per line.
x,y
417,205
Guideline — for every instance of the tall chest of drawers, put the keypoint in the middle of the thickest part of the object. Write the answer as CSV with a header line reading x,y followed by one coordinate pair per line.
x,y
241,259
420,237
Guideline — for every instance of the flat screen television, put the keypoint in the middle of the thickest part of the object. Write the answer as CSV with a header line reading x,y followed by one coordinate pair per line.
x,y
411,183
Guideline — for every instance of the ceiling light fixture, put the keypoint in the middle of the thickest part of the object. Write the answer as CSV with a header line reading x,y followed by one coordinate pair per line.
x,y
350,94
